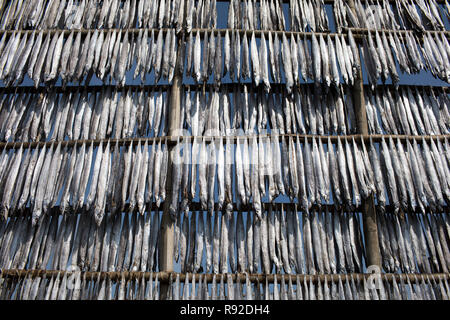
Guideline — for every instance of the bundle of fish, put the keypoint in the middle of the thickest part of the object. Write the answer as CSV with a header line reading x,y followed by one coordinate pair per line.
x,y
414,243
109,54
108,14
380,14
269,15
247,110
326,53
436,54
419,179
246,14
123,242
304,243
409,111
78,114
36,178
293,288
310,14
432,55
77,287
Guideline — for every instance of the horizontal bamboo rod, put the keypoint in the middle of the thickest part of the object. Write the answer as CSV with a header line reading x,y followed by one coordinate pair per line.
x,y
357,32
259,32
170,140
255,277
196,206
274,87
83,31
444,88
81,88
372,30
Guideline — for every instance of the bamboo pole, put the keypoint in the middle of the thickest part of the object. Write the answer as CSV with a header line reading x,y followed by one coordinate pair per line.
x,y
167,227
373,253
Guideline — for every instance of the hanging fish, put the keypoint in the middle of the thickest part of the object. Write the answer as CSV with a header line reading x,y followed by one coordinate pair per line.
x,y
316,58
245,61
264,68
255,60
324,55
202,174
287,63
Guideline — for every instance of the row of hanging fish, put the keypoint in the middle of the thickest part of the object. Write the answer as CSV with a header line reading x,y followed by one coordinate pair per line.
x,y
320,242
109,55
269,15
347,287
135,112
314,243
282,56
248,14
314,172
123,242
99,179
108,177
81,115
245,109
76,55
414,243
324,58
108,14
431,54
281,239
410,111
383,14
76,286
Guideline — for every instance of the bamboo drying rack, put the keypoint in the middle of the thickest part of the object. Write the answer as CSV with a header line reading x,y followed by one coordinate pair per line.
x,y
175,90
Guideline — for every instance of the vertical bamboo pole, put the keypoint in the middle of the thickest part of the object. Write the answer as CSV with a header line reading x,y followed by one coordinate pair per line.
x,y
373,253
166,247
